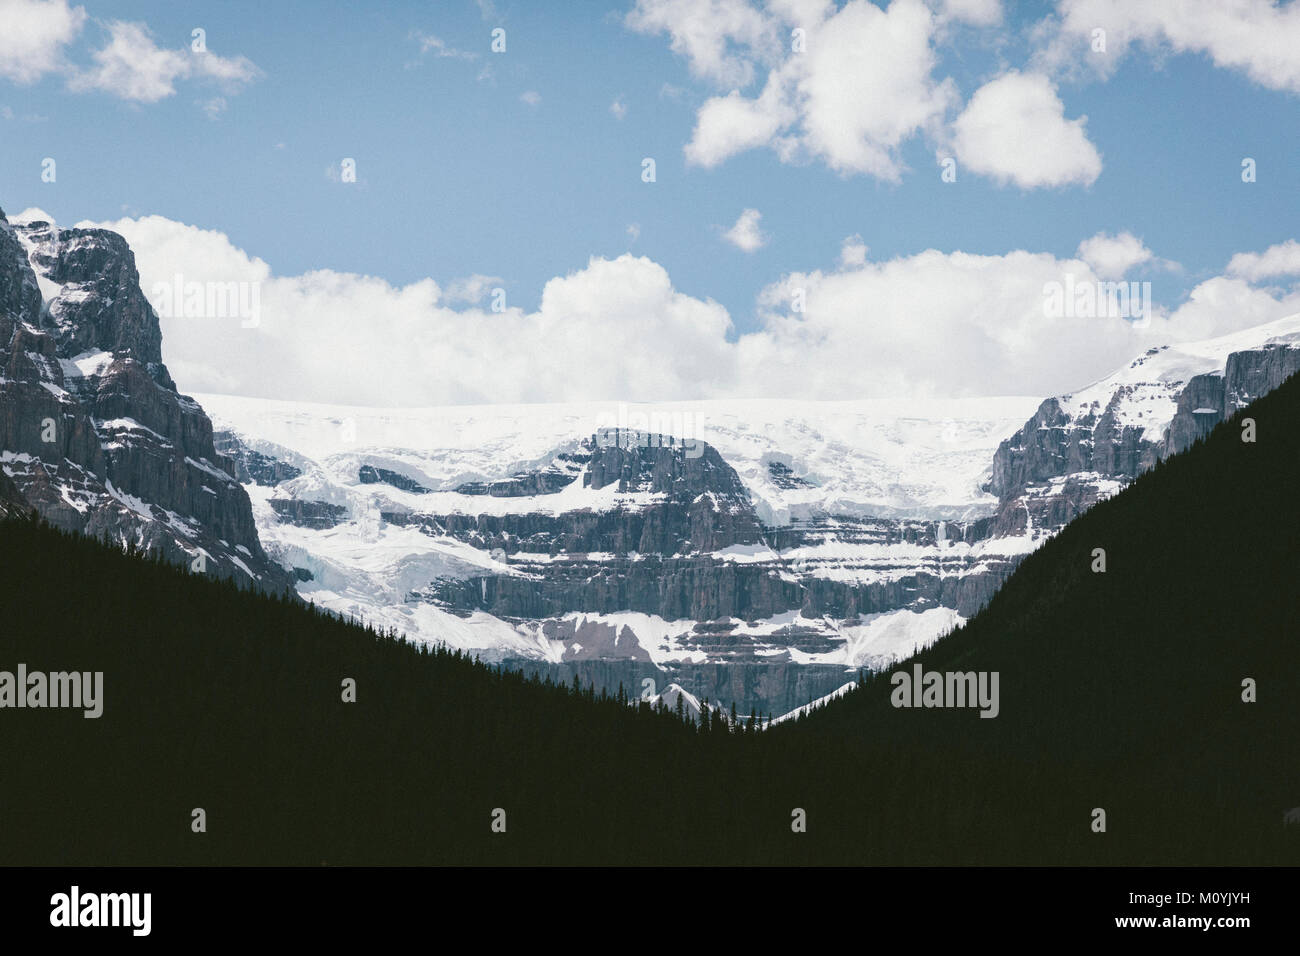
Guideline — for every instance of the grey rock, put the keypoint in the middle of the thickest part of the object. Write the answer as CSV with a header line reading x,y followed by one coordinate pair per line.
x,y
110,448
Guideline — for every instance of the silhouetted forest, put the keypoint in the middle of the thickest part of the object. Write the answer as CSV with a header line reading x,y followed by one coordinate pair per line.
x,y
1119,690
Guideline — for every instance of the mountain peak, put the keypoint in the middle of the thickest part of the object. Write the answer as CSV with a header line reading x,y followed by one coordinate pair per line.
x,y
90,294
1159,404
93,434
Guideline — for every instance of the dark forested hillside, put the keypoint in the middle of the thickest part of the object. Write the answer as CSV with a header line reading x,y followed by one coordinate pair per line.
x,y
1119,690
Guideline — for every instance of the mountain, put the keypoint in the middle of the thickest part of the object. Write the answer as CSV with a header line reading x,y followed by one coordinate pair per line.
x,y
756,555
760,552
1081,447
1120,691
93,433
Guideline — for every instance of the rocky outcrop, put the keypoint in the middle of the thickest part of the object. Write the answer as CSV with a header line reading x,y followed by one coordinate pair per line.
x,y
317,515
93,434
1054,444
1252,373
699,589
1078,448
563,472
253,467
100,306
370,475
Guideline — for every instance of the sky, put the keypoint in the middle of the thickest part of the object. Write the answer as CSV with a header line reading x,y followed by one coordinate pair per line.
x,y
848,200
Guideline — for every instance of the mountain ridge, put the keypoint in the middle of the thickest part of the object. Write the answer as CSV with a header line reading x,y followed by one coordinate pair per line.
x,y
830,591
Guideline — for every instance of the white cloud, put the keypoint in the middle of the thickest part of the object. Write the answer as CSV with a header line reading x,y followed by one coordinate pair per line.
x,y
429,43
1223,304
1014,130
619,109
634,231
133,67
731,124
531,97
862,86
745,235
932,323
594,334
1111,257
471,289
719,38
982,13
1274,262
1259,38
853,253
34,35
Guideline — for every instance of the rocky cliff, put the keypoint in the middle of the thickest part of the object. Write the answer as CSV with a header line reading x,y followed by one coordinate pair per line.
x,y
1077,448
93,434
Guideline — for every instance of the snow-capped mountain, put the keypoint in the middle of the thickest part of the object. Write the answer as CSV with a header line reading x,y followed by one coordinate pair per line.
x,y
751,551
767,536
93,434
1084,446
756,551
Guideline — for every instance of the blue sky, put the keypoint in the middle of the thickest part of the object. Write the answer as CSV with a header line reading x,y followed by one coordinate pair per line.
x,y
460,175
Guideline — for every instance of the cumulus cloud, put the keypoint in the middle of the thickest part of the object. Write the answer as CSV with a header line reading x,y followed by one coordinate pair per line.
x,y
848,85
1260,38
853,252
471,289
132,66
1111,257
1274,262
745,235
731,124
859,85
982,13
933,323
34,37
718,38
1014,130
615,328
1225,304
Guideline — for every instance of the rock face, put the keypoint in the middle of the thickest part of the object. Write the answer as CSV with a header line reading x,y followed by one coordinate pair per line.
x,y
93,434
1077,448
